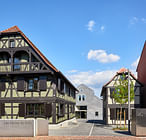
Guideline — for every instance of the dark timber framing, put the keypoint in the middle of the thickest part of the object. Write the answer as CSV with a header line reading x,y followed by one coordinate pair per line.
x,y
109,106
28,78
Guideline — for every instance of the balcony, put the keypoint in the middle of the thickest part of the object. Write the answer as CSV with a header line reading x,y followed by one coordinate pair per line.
x,y
20,67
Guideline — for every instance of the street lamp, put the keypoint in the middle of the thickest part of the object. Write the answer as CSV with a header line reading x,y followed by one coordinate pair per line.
x,y
128,100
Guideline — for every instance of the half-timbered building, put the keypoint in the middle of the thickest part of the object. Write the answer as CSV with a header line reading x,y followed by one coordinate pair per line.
x,y
111,109
30,86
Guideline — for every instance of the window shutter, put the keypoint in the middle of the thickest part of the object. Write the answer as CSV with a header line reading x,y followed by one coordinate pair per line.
x,y
21,110
111,91
48,110
112,114
2,86
43,83
20,85
2,109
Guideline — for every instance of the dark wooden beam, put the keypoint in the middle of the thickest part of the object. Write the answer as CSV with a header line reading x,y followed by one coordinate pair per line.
x,y
54,113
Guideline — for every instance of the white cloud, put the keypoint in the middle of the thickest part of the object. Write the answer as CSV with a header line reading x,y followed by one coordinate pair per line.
x,y
91,24
133,20
102,57
72,71
134,66
94,80
135,63
102,28
143,20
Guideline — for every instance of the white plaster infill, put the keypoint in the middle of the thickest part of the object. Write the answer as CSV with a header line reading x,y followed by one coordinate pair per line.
x,y
63,124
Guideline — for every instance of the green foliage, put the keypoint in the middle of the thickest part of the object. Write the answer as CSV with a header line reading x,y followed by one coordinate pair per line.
x,y
120,128
120,94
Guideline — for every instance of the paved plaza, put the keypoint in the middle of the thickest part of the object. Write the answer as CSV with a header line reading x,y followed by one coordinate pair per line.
x,y
84,128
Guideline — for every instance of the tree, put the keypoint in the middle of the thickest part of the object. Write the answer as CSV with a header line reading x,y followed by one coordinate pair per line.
x,y
120,93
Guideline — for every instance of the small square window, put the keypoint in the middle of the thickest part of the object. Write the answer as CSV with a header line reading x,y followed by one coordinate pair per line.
x,y
12,43
33,84
96,113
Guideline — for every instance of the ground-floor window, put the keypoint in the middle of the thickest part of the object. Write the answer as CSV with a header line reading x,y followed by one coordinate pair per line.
x,y
61,110
81,114
82,107
115,113
35,109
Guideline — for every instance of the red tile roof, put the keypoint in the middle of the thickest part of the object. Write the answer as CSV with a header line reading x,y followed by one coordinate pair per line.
x,y
15,29
122,70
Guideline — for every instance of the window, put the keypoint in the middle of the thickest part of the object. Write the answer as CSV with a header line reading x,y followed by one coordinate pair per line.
x,y
73,93
118,113
83,97
123,77
83,107
12,43
96,114
35,109
62,86
79,97
59,84
112,91
33,84
67,90
61,110
115,113
16,64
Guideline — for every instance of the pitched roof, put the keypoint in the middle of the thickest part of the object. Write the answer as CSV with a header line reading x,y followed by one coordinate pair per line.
x,y
15,29
122,70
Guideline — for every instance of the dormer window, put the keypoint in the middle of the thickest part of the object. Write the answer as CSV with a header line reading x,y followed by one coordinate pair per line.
x,y
12,43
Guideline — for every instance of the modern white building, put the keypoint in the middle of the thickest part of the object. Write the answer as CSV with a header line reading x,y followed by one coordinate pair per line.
x,y
88,106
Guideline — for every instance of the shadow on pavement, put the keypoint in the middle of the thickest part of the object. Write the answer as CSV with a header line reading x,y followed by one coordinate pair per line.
x,y
96,121
123,132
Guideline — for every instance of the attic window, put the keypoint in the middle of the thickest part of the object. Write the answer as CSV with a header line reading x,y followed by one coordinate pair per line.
x,y
12,43
83,97
79,97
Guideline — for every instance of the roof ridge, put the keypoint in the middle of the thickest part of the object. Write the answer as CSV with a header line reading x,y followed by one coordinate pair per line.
x,y
12,29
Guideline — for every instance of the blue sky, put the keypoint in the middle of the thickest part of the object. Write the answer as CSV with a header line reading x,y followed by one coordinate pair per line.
x,y
88,40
